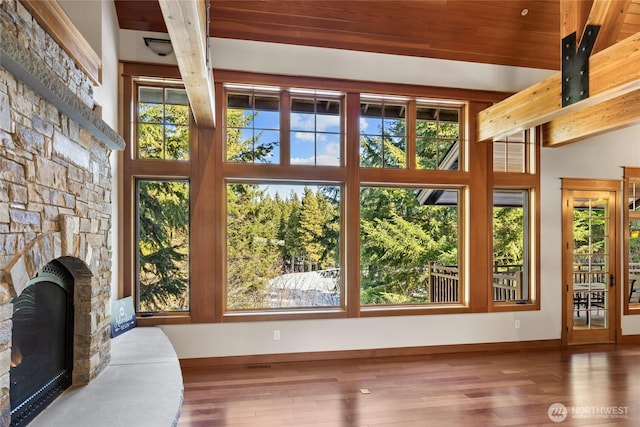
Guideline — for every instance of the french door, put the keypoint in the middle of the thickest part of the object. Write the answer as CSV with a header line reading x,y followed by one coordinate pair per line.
x,y
590,261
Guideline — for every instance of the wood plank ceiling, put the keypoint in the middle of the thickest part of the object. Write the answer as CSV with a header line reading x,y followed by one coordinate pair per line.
x,y
518,32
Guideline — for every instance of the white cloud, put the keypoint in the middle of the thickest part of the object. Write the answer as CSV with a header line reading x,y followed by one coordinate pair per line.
x,y
302,160
363,124
304,136
321,124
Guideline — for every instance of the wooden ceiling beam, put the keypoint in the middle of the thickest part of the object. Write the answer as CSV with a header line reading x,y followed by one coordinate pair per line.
x,y
187,26
600,118
609,15
573,16
613,73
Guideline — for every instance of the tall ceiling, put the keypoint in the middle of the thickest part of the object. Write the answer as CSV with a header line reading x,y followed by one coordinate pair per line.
x,y
516,32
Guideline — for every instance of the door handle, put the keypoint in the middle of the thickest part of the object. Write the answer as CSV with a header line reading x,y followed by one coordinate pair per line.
x,y
612,280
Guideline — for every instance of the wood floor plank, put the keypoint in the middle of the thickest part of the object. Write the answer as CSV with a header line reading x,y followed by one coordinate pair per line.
x,y
475,389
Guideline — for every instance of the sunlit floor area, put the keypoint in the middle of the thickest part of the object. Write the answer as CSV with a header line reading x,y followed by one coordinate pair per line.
x,y
581,386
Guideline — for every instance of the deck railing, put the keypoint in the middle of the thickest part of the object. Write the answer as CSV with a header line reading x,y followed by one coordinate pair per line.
x,y
444,283
508,280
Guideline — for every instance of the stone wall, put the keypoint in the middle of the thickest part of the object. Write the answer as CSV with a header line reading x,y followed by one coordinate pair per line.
x,y
55,200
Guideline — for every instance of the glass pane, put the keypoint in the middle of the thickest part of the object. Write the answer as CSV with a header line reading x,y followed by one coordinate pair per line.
x,y
176,96
409,245
162,260
371,151
510,245
152,95
509,153
315,131
163,124
633,193
370,125
634,261
516,158
149,113
253,123
283,246
448,154
499,156
382,135
176,114
426,149
438,135
267,120
303,149
394,152
150,141
177,142
303,122
328,146
266,144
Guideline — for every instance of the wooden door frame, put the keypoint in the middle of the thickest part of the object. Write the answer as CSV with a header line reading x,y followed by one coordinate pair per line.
x,y
605,185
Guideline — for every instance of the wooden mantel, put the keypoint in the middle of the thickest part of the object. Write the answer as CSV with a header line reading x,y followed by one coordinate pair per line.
x,y
54,20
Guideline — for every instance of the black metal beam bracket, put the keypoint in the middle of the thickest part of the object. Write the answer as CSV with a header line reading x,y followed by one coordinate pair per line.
x,y
575,65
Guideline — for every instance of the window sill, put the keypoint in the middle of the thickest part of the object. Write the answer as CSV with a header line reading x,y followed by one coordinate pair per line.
x,y
301,314
632,309
375,311
163,319
510,306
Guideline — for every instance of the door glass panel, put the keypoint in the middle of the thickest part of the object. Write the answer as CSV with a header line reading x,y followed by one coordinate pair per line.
x,y
591,254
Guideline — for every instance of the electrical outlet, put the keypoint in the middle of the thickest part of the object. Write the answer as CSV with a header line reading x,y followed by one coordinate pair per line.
x,y
276,335
517,324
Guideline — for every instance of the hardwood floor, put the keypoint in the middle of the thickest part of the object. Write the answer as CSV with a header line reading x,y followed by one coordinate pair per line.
x,y
599,385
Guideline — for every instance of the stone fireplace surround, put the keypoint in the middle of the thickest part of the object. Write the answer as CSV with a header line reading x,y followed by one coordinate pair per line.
x,y
55,188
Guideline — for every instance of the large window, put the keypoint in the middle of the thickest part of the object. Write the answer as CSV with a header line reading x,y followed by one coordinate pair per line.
x,y
321,198
515,196
409,246
283,246
163,245
511,245
157,192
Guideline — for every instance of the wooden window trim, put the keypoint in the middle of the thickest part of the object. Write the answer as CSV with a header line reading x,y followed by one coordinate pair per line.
x,y
208,173
132,76
529,180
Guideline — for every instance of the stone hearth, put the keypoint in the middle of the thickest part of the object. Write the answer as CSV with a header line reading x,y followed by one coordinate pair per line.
x,y
55,189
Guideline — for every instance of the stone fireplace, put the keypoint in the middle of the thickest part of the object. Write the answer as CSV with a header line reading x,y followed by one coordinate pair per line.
x,y
55,190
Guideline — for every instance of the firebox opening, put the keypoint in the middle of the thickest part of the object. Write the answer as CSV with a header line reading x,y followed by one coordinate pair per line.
x,y
42,342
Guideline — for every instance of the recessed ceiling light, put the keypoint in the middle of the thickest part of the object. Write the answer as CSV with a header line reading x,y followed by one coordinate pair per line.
x,y
524,12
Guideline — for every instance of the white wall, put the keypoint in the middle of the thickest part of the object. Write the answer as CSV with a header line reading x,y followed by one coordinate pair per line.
x,y
107,96
274,58
599,157
86,16
97,21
